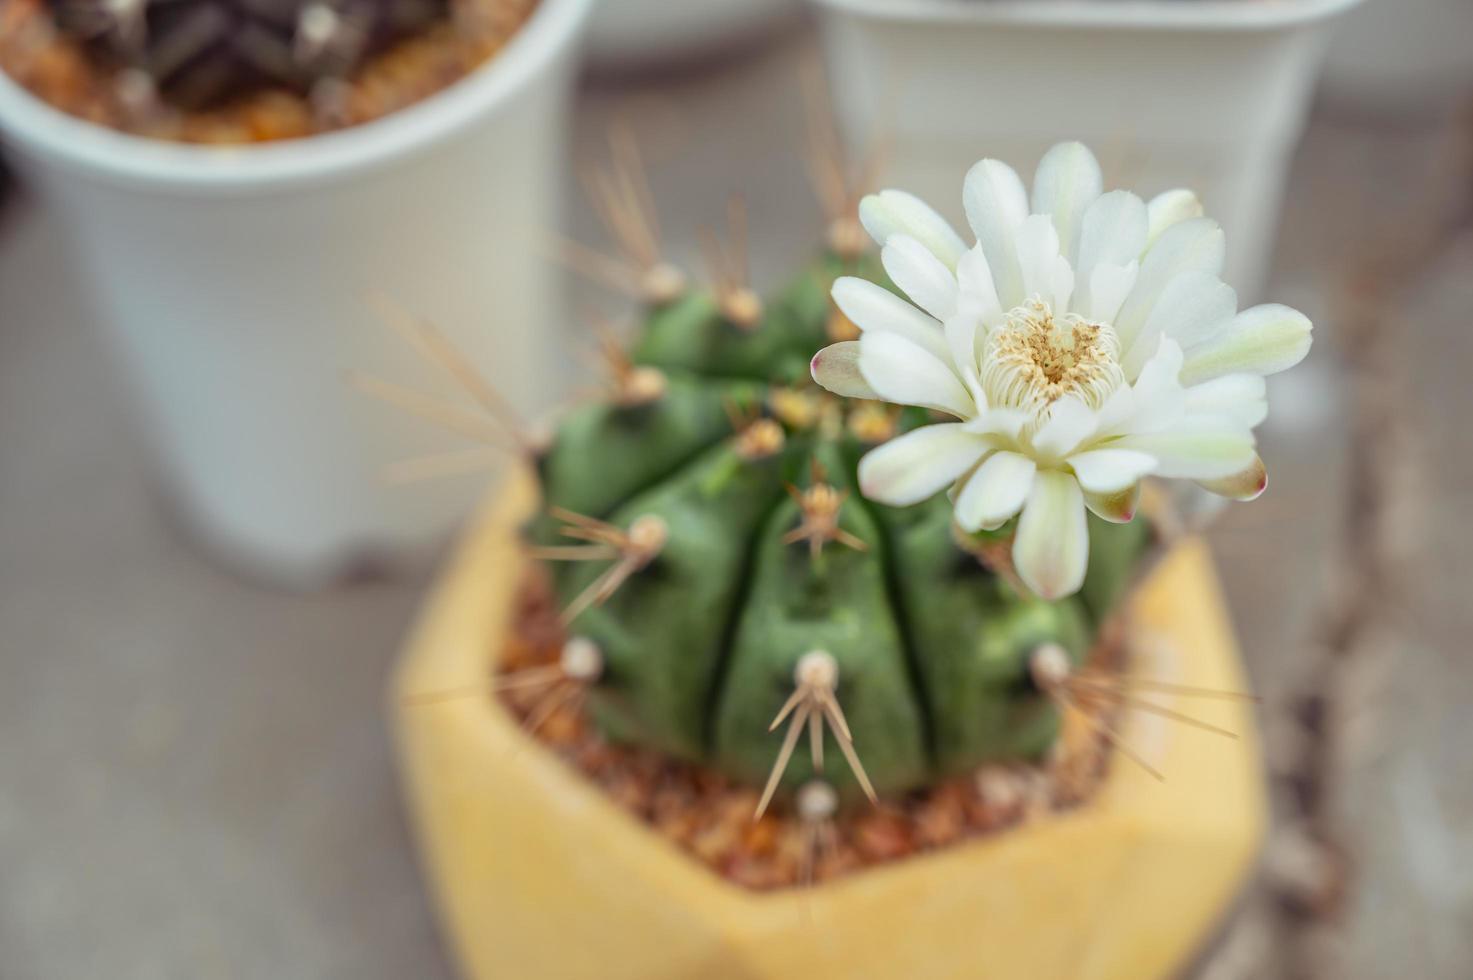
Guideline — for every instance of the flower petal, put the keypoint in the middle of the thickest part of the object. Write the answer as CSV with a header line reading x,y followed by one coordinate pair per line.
x,y
1159,398
1170,208
1264,340
999,421
1194,245
1067,182
1195,448
976,292
961,341
1248,484
1118,507
1046,273
1109,285
995,492
913,467
872,307
1193,306
996,205
920,275
836,368
1114,232
1240,397
1070,422
1111,470
902,372
1051,549
901,213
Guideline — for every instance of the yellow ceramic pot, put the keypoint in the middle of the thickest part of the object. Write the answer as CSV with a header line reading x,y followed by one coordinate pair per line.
x,y
537,875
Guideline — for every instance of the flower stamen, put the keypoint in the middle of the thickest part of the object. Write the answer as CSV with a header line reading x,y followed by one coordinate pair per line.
x,y
1035,358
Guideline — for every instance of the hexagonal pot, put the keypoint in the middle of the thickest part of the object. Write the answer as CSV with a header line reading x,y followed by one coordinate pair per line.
x,y
537,874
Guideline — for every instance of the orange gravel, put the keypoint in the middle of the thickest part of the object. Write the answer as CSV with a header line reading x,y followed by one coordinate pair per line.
x,y
60,71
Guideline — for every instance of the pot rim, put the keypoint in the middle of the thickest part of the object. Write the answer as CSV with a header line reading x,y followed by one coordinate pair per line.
x,y
1147,15
94,151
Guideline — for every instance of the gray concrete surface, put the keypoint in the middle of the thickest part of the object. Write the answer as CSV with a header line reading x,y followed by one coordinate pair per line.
x,y
195,779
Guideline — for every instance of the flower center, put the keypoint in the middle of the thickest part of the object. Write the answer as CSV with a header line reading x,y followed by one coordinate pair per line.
x,y
1034,358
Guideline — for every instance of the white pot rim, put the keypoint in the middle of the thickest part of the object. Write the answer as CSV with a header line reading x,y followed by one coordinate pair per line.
x,y
95,151
1164,15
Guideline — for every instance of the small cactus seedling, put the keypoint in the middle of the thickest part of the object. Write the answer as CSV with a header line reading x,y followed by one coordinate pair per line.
x,y
199,53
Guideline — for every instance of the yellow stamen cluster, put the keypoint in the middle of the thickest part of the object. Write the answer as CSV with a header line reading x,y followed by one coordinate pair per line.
x,y
1035,358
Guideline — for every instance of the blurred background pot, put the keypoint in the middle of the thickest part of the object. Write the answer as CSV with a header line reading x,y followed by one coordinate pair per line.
x,y
632,33
235,284
1400,57
1211,95
537,873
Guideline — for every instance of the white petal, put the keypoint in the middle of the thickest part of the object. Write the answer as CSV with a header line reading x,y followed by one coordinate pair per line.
x,y
1046,274
920,275
1116,415
1070,422
1248,484
995,492
1240,397
1109,284
1118,507
1194,305
961,341
906,374
999,421
1195,448
1159,397
1263,340
1194,245
1170,208
836,368
1051,550
1067,182
915,466
1111,470
872,307
898,212
996,205
977,293
1114,232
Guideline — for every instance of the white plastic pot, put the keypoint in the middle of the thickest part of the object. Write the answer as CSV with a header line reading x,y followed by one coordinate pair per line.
x,y
234,283
1403,57
1209,94
631,33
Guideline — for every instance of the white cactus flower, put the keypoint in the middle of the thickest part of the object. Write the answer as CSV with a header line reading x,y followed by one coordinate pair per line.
x,y
1085,342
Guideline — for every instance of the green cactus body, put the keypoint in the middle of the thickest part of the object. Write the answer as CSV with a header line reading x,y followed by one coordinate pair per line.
x,y
700,644
839,602
632,447
663,636
972,636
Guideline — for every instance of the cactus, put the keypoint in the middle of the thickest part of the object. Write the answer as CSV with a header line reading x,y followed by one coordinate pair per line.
x,y
199,53
727,593
721,562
